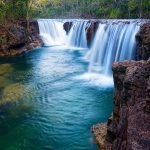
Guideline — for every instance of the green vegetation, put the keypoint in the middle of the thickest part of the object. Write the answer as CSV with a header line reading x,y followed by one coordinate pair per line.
x,y
11,10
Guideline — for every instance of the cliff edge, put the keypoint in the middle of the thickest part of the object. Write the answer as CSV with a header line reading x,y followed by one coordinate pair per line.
x,y
129,126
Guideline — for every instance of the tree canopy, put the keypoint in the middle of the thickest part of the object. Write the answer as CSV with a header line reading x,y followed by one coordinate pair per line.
x,y
22,9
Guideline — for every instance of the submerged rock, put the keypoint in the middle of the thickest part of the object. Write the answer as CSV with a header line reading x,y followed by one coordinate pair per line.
x,y
5,69
12,93
4,82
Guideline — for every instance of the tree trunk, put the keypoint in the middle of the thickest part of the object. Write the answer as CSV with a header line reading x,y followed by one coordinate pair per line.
x,y
140,10
27,15
129,13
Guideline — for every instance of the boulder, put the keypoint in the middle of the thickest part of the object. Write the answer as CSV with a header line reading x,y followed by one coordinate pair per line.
x,y
91,31
12,93
67,26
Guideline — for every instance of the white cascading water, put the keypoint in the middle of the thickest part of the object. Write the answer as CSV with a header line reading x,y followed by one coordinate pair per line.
x,y
77,34
113,42
52,32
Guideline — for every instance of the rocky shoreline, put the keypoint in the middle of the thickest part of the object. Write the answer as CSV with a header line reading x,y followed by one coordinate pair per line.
x,y
16,39
129,126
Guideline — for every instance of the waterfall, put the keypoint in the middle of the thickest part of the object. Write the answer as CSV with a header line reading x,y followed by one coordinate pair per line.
x,y
113,42
52,32
77,35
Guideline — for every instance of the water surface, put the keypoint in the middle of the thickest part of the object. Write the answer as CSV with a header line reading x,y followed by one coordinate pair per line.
x,y
43,105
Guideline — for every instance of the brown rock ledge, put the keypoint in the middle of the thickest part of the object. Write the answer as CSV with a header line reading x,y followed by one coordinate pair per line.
x,y
16,39
143,39
129,128
99,131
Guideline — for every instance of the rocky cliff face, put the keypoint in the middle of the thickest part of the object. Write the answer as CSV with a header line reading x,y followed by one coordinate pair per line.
x,y
91,31
129,126
15,39
131,117
143,39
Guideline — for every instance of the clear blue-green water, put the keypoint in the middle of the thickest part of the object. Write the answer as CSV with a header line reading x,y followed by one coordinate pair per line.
x,y
43,106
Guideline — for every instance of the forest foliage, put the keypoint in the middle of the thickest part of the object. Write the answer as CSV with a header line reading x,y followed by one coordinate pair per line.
x,y
11,10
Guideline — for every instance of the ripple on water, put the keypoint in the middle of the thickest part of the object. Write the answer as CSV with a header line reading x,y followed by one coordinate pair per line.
x,y
54,110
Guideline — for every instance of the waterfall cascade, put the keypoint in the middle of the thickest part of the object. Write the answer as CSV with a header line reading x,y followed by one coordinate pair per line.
x,y
113,41
77,35
52,32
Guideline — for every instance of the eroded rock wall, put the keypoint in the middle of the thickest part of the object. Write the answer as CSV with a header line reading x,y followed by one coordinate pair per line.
x,y
129,127
15,39
143,40
91,31
131,116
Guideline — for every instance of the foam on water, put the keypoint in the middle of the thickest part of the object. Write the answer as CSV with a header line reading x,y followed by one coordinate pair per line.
x,y
114,40
96,79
